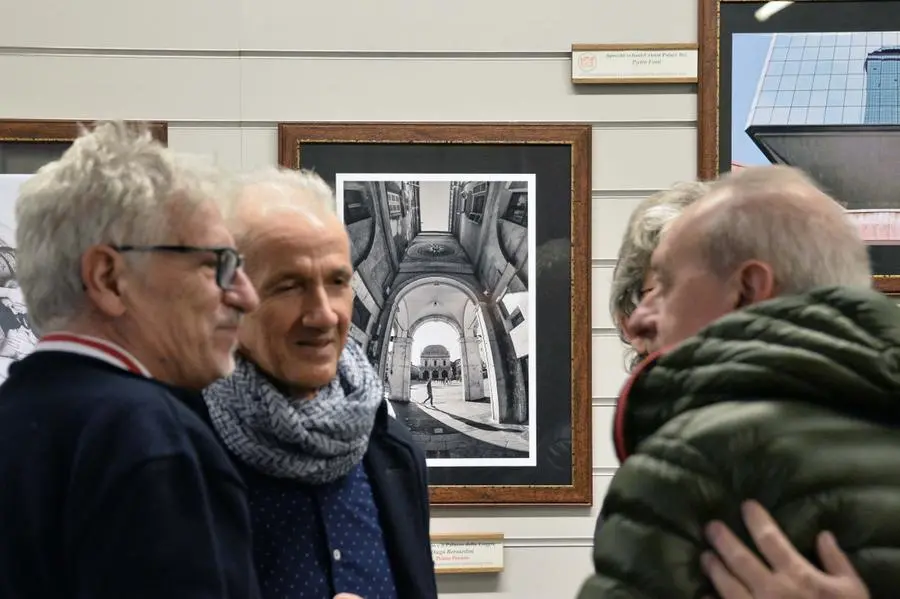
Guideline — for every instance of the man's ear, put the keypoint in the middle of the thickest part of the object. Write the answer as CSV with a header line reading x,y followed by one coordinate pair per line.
x,y
756,283
622,321
101,274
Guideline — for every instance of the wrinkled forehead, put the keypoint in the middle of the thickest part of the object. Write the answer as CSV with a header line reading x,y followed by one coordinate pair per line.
x,y
294,243
680,240
201,224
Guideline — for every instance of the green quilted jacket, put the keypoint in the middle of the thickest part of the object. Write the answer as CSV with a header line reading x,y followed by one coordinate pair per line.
x,y
794,402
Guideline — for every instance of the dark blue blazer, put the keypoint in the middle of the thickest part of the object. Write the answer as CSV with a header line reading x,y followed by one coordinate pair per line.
x,y
398,475
111,487
399,478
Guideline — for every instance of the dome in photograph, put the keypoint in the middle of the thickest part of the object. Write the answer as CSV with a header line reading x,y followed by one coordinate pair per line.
x,y
435,351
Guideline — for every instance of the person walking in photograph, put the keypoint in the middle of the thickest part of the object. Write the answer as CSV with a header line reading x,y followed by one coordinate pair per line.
x,y
429,397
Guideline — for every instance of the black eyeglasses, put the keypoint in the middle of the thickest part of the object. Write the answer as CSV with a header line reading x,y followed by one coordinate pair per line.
x,y
228,260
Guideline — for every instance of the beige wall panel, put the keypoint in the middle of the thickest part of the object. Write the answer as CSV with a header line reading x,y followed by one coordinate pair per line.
x,y
608,373
222,146
162,24
536,571
641,158
601,279
259,146
604,457
526,523
609,217
444,89
461,25
134,87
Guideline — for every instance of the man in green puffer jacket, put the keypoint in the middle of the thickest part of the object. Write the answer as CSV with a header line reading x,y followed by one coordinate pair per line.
x,y
775,377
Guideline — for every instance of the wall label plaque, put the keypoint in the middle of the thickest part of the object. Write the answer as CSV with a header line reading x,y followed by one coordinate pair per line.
x,y
467,553
634,63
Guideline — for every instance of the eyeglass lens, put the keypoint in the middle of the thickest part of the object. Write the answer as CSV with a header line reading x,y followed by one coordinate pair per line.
x,y
229,261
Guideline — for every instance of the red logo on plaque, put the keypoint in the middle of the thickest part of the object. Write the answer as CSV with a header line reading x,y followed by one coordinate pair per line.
x,y
587,62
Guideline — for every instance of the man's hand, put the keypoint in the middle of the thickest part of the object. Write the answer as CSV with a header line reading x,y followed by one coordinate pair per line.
x,y
347,596
738,574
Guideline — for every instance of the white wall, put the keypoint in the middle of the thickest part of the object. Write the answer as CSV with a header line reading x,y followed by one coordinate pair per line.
x,y
224,72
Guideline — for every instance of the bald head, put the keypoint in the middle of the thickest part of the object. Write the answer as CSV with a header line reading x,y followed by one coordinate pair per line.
x,y
297,255
757,234
274,196
777,215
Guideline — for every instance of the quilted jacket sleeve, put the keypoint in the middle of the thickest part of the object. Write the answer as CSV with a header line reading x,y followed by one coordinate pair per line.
x,y
649,535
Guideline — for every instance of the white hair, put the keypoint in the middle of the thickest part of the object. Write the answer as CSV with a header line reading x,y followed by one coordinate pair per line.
x,y
642,234
114,185
272,189
778,215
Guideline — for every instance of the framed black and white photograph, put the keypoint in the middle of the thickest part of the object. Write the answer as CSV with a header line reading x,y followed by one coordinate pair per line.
x,y
471,276
17,337
816,85
459,379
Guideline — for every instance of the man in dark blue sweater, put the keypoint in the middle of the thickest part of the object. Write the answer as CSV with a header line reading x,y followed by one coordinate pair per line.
x,y
337,488
111,486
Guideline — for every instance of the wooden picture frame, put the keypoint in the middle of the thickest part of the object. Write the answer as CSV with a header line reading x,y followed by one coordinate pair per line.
x,y
477,229
45,140
800,80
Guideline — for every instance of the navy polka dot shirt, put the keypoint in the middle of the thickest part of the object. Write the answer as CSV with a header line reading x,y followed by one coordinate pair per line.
x,y
312,542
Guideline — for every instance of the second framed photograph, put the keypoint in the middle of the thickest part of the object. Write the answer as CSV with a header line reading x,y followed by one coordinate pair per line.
x,y
471,255
816,86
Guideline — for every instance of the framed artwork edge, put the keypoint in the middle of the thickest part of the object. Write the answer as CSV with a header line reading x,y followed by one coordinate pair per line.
x,y
62,130
709,28
708,90
292,136
887,284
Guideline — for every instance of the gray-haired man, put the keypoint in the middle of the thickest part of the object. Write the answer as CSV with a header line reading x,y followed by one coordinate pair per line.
x,y
110,485
775,380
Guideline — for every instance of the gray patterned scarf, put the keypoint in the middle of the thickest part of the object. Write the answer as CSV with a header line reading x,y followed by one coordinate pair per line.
x,y
315,440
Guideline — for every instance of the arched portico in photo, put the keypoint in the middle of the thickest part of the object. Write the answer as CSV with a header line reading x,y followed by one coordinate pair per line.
x,y
442,307
446,299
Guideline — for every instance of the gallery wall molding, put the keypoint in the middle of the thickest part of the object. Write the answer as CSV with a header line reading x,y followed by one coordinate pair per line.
x,y
797,89
622,194
514,197
537,542
603,402
605,262
275,53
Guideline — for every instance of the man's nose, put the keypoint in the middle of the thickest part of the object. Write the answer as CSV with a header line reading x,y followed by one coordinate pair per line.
x,y
242,294
642,323
318,310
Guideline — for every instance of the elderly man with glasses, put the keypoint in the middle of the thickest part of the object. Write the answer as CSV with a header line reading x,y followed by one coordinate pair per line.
x,y
111,486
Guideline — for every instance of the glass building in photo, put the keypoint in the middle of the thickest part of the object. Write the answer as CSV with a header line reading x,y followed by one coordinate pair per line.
x,y
829,103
